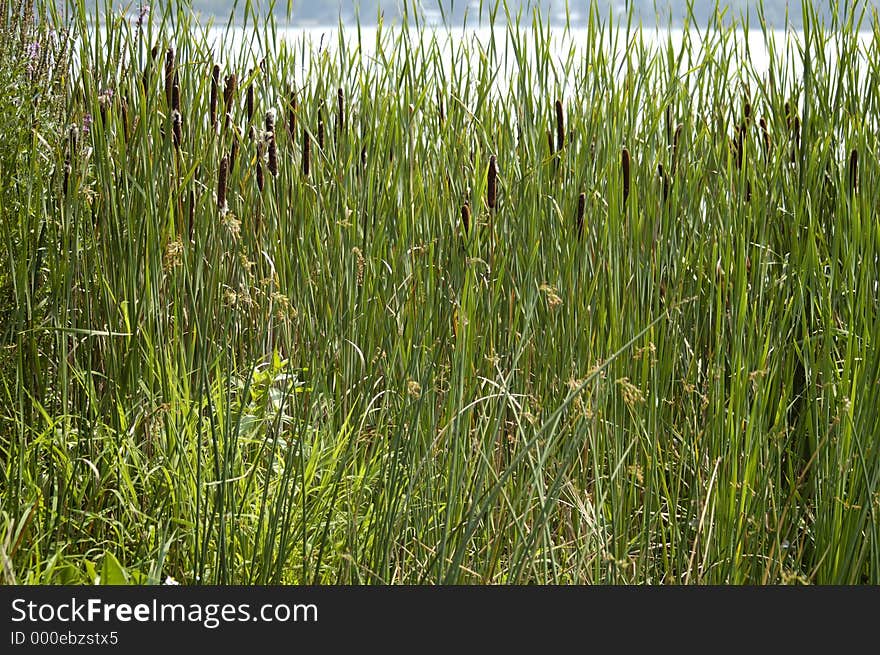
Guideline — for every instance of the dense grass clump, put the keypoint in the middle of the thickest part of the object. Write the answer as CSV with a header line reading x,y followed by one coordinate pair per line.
x,y
427,342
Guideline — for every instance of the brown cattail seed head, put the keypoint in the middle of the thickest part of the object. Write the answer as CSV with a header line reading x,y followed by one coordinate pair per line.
x,y
249,100
747,111
582,208
550,141
175,93
853,171
492,183
466,217
560,126
321,129
176,127
260,180
340,101
270,121
796,137
221,184
306,153
215,84
169,74
273,156
625,163
233,153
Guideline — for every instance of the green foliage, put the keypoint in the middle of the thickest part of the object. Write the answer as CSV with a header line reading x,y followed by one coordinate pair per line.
x,y
329,377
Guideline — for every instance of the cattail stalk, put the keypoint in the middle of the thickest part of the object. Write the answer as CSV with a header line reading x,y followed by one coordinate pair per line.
x,y
492,183
291,116
625,164
175,93
676,142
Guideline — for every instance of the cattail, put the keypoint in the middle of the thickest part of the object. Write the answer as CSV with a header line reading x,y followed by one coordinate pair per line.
x,y
231,82
221,184
175,94
582,207
321,129
747,111
340,101
550,141
441,115
787,114
796,138
176,127
492,183
273,156
307,146
466,218
765,134
215,83
169,74
668,125
249,99
560,126
624,163
270,121
676,141
740,146
260,181
853,171
364,156
291,115
665,180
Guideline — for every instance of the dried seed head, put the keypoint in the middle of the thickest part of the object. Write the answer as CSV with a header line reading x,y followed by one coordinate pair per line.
x,y
260,181
560,126
492,183
853,171
273,157
625,164
249,99
466,218
176,127
664,178
169,74
582,208
340,102
221,184
215,84
306,152
270,120
175,93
